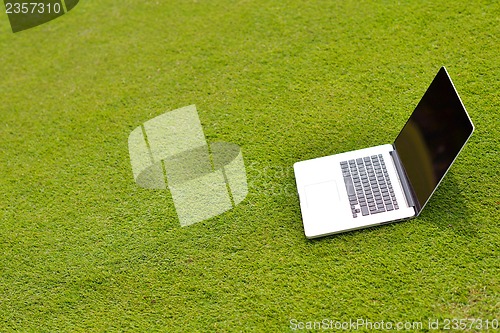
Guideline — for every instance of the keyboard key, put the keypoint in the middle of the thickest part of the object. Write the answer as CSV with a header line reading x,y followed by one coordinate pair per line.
x,y
349,186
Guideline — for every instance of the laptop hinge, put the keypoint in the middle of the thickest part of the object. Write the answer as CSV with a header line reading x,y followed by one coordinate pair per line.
x,y
403,178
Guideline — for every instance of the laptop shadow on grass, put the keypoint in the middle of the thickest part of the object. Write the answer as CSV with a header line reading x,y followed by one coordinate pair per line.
x,y
448,208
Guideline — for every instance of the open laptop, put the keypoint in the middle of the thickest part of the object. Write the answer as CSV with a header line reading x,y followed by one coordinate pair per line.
x,y
390,182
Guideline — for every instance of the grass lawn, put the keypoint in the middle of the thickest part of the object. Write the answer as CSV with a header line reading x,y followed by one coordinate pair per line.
x,y
83,249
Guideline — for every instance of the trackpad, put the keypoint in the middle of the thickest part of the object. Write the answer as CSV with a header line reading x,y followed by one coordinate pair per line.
x,y
322,195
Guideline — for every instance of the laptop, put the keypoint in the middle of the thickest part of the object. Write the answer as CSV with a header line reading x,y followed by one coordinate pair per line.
x,y
391,182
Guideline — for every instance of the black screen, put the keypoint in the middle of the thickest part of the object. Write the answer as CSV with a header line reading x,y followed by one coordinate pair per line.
x,y
433,136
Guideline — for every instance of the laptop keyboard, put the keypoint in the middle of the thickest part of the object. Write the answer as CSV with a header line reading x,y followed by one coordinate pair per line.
x,y
368,186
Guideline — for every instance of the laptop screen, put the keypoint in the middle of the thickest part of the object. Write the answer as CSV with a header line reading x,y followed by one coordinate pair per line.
x,y
433,136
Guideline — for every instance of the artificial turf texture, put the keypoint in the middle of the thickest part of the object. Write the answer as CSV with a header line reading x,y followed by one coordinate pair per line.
x,y
83,249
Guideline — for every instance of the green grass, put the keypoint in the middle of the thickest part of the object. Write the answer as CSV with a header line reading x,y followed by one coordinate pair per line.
x,y
83,249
